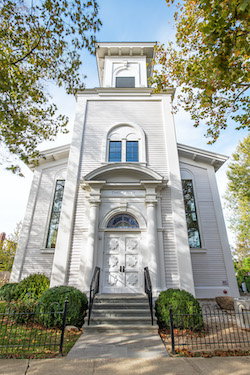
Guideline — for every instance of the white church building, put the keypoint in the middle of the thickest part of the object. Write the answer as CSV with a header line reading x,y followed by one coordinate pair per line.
x,y
125,195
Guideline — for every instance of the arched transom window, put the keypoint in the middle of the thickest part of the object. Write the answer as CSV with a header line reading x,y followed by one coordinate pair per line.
x,y
123,221
125,144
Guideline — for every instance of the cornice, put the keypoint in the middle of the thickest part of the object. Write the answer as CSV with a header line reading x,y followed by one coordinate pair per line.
x,y
200,155
125,92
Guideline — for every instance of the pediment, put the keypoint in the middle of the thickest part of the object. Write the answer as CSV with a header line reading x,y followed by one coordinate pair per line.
x,y
123,172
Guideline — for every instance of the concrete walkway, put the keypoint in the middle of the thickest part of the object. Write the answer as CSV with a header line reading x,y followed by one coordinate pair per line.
x,y
120,345
157,366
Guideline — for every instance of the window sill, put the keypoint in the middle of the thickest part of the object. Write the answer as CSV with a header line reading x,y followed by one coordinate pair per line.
x,y
125,162
47,251
198,251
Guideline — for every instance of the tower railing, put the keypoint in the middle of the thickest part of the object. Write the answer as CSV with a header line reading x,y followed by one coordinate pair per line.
x,y
94,288
148,291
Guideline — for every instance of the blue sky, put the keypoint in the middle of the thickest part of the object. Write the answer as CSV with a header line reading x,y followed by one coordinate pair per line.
x,y
130,20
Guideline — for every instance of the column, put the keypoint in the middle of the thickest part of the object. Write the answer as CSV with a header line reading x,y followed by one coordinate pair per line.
x,y
88,258
89,252
152,239
154,259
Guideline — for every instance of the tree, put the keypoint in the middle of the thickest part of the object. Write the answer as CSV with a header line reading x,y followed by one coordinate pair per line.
x,y
210,62
246,263
40,42
238,197
8,249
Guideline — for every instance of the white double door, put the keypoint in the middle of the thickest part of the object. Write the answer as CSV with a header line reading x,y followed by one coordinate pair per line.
x,y
122,263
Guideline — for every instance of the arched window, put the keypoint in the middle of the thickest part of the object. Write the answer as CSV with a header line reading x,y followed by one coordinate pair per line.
x,y
125,143
123,221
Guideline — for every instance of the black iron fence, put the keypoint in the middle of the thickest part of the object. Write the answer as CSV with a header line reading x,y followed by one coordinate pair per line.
x,y
214,328
22,331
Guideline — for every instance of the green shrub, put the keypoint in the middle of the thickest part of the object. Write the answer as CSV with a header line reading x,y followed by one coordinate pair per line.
x,y
182,302
7,292
248,283
53,300
32,287
22,311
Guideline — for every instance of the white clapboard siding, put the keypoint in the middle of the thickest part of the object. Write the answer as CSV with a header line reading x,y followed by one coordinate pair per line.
x,y
77,243
208,267
34,260
170,256
101,116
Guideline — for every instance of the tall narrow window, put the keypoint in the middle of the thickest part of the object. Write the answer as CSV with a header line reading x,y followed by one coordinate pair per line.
x,y
132,151
191,215
115,151
55,214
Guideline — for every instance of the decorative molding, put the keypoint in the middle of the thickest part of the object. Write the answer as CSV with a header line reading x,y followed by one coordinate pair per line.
x,y
47,251
198,251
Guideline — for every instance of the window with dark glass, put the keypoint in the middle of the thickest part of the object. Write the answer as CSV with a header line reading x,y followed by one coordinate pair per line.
x,y
125,82
55,214
115,151
132,151
191,215
123,221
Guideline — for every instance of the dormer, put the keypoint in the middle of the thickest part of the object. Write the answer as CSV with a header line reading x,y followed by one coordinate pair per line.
x,y
124,65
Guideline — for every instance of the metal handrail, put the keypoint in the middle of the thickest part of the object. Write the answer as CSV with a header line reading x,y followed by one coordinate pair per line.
x,y
94,288
148,291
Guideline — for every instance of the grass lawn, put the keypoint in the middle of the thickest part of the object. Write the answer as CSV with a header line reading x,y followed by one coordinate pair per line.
x,y
32,340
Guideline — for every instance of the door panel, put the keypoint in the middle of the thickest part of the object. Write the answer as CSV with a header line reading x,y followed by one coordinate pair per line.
x,y
122,263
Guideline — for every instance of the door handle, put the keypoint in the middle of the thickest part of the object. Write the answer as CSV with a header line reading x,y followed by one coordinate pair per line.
x,y
123,269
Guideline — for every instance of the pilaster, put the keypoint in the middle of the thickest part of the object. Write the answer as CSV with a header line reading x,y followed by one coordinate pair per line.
x,y
63,243
186,280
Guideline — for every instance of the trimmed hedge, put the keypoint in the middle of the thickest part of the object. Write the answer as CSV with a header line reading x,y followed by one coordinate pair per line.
x,y
53,300
23,312
184,306
31,288
7,292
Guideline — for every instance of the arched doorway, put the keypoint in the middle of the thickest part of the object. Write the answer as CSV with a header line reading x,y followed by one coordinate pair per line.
x,y
122,255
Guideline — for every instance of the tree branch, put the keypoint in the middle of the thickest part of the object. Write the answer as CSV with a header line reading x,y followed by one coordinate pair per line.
x,y
245,89
28,53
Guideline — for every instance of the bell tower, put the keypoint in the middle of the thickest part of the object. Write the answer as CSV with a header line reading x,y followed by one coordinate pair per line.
x,y
124,65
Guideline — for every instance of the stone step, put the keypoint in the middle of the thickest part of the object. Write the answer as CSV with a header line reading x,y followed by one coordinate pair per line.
x,y
123,320
120,305
121,312
126,301
112,328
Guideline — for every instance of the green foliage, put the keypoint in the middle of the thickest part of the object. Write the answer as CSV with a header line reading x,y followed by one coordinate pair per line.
x,y
40,42
246,263
31,288
53,300
210,62
238,198
8,249
7,292
182,302
248,283
22,311
241,275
